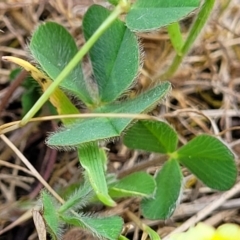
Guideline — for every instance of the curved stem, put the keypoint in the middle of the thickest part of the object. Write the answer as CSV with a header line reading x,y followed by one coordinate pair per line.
x,y
194,32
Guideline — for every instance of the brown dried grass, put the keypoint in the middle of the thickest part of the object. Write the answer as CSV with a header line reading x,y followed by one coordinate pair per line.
x,y
207,82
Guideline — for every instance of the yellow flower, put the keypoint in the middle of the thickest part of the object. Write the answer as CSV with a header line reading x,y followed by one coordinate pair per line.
x,y
203,231
227,231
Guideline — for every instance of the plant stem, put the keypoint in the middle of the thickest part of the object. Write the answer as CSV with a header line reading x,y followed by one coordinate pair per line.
x,y
176,38
122,7
194,32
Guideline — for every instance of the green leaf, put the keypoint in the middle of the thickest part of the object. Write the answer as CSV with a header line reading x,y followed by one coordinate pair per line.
x,y
108,227
53,47
31,93
83,132
28,99
121,237
115,57
94,160
114,2
210,160
152,234
150,15
73,220
104,227
101,128
169,183
151,136
14,73
138,184
50,214
80,198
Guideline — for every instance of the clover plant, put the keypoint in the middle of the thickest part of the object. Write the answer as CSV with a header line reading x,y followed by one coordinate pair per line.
x,y
115,56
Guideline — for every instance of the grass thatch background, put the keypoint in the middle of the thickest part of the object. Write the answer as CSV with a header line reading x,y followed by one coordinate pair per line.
x,y
207,81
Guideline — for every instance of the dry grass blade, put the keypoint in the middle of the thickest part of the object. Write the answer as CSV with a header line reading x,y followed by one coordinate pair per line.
x,y
26,216
39,224
31,168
